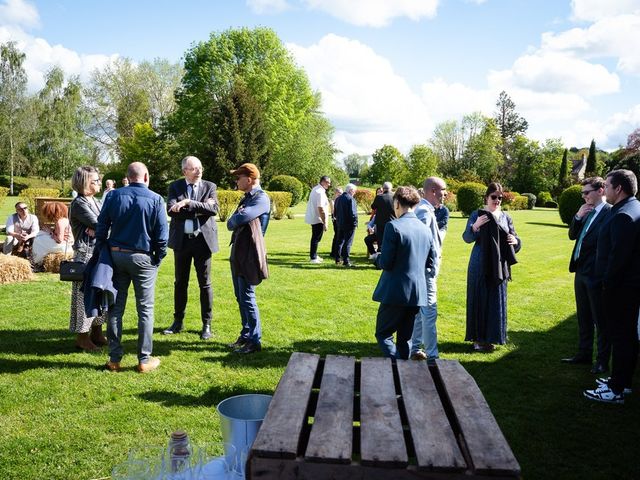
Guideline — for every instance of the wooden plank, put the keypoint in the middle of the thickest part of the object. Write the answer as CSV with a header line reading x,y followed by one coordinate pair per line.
x,y
434,441
487,446
331,438
279,434
381,439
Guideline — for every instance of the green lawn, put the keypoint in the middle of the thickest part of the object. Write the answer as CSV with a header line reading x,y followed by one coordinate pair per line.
x,y
62,417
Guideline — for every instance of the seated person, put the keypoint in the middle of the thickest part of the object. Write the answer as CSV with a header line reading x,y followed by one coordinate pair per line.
x,y
371,239
53,239
22,227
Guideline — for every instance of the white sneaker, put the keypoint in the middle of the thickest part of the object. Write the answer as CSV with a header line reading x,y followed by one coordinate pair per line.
x,y
604,381
604,394
316,260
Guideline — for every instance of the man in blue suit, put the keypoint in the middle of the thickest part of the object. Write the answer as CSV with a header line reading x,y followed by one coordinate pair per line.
x,y
584,229
346,212
406,249
618,258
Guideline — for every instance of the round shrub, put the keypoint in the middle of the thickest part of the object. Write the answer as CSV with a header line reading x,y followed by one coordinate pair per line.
x,y
470,197
364,198
531,200
287,183
544,197
451,201
570,202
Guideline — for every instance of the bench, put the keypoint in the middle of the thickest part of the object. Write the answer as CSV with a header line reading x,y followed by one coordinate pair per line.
x,y
376,418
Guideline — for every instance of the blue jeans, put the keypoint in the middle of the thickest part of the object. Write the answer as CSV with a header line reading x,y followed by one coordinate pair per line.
x,y
249,313
136,268
424,327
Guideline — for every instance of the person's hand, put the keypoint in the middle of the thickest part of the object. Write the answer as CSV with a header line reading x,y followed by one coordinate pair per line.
x,y
584,210
482,219
90,232
324,226
176,207
511,239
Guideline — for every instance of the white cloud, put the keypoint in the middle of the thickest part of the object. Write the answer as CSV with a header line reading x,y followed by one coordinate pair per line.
x,y
615,37
452,101
19,12
556,72
594,10
375,13
367,102
267,6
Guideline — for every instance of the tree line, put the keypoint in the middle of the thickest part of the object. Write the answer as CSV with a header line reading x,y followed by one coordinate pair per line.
x,y
240,97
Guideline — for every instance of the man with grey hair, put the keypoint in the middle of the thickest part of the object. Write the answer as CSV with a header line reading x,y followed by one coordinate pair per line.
x,y
346,212
383,207
618,258
193,235
424,327
133,225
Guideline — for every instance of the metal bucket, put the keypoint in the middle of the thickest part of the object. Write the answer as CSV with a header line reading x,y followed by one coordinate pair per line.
x,y
240,419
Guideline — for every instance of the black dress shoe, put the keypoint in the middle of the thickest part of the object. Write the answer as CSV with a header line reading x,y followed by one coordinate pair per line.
x,y
206,332
240,342
176,327
599,368
577,360
249,347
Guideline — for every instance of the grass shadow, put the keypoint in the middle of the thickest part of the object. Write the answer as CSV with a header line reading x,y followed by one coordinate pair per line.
x,y
542,224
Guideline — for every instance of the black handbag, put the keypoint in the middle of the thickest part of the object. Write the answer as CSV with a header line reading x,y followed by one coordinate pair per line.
x,y
71,271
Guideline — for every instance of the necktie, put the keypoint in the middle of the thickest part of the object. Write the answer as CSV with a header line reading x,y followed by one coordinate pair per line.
x,y
192,196
587,222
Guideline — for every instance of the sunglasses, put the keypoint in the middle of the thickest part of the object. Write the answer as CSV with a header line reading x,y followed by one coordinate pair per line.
x,y
496,197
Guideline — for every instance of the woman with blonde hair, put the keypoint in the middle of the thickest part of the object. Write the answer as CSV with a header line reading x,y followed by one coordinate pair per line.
x,y
85,209
55,235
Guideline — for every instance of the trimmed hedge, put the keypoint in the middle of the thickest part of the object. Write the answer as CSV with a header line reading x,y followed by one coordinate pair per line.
x,y
227,202
470,197
520,202
364,198
451,201
531,200
544,197
280,202
287,183
570,202
4,191
30,194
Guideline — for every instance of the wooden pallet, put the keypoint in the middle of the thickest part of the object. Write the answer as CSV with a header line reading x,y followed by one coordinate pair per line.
x,y
378,419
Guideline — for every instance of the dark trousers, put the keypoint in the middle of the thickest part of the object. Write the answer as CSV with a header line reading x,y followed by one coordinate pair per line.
x,y
379,235
621,309
370,241
345,240
590,312
195,249
317,230
334,243
392,319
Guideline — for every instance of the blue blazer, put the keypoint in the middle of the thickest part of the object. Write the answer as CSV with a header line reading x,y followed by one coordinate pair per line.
x,y
406,245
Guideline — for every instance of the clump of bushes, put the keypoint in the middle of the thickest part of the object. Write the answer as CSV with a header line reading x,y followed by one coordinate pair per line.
x,y
280,202
364,198
29,195
531,200
451,201
4,191
470,197
287,183
570,202
544,197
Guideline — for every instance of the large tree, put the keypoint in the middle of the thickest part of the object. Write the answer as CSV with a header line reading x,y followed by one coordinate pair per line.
x,y
592,163
482,157
422,163
13,87
282,89
389,165
238,136
59,143
509,122
354,164
537,165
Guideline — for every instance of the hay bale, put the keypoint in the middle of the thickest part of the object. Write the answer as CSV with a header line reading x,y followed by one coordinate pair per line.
x,y
14,269
51,262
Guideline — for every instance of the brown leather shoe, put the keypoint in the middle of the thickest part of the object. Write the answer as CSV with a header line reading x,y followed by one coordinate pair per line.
x,y
112,366
419,355
150,366
83,342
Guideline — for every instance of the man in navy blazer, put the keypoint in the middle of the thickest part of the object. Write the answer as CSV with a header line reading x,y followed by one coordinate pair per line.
x,y
584,229
402,289
193,235
618,258
346,211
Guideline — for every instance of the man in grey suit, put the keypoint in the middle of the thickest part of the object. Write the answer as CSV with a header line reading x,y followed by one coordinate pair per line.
x,y
193,235
402,289
584,229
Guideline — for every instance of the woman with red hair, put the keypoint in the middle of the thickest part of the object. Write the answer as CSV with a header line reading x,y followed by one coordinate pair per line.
x,y
57,238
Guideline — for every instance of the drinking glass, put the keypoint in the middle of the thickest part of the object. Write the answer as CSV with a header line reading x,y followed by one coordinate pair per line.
x,y
216,460
131,470
153,455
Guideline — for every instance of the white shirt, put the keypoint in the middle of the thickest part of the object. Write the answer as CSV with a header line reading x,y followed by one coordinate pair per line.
x,y
317,198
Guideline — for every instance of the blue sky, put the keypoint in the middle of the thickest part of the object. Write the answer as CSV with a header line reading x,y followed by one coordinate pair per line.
x,y
388,70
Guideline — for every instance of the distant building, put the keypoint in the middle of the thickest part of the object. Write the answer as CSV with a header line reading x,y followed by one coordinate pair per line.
x,y
579,168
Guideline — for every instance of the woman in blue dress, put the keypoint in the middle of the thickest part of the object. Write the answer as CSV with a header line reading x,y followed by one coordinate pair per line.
x,y
495,245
